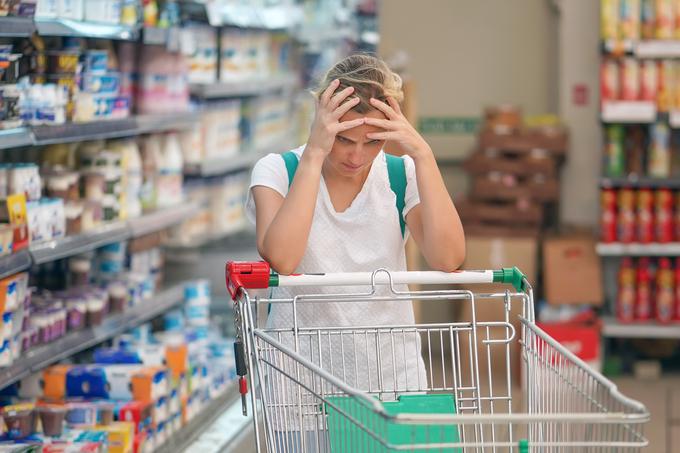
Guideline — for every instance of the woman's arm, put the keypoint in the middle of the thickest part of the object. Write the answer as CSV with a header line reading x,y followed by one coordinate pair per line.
x,y
283,224
434,223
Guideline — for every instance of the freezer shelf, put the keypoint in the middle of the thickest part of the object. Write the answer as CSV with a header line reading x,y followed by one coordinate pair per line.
x,y
82,29
643,183
38,358
15,138
618,249
16,27
15,263
186,435
250,87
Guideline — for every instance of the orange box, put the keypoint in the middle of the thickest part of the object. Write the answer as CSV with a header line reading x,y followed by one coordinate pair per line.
x,y
177,359
150,384
54,382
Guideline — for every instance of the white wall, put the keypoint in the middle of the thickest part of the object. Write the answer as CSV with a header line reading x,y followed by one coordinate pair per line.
x,y
466,54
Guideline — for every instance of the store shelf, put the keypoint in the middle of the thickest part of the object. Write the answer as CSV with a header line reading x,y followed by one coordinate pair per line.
x,y
73,245
74,132
113,128
82,29
14,138
613,329
250,87
657,49
629,112
16,27
186,435
617,249
155,35
161,219
644,182
38,358
15,263
213,166
166,122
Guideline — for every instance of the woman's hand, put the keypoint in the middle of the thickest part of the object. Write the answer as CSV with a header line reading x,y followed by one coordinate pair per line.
x,y
397,129
330,108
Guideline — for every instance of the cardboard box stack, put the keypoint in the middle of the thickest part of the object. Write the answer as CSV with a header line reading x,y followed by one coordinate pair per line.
x,y
514,175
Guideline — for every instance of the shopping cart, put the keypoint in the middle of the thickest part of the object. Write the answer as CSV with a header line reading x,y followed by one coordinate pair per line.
x,y
310,399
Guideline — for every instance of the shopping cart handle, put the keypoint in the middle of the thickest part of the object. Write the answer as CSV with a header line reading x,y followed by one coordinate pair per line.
x,y
510,275
257,275
250,275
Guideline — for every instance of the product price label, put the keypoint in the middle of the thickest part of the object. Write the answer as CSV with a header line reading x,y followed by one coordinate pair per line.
x,y
451,125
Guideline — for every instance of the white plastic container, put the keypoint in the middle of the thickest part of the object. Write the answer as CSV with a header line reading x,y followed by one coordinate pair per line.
x,y
170,172
105,11
71,9
47,9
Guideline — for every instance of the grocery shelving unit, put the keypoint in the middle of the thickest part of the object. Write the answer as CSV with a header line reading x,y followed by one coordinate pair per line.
x,y
640,112
614,329
40,357
275,18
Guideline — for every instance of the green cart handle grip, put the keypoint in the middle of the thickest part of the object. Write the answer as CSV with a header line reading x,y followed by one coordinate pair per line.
x,y
510,275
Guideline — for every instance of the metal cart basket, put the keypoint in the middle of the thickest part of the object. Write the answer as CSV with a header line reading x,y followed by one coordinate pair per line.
x,y
444,386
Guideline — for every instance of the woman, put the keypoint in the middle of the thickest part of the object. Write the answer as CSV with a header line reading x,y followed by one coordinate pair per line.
x,y
339,214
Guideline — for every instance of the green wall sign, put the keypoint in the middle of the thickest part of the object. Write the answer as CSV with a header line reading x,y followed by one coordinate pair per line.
x,y
448,125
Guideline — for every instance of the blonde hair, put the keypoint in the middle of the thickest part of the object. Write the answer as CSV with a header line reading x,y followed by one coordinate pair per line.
x,y
370,77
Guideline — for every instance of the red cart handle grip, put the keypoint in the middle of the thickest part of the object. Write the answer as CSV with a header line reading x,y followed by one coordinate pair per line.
x,y
246,274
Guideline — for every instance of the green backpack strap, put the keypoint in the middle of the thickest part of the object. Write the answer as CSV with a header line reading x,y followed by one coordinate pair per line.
x,y
396,171
291,161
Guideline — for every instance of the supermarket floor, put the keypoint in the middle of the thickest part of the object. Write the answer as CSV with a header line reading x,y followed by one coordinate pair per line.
x,y
662,398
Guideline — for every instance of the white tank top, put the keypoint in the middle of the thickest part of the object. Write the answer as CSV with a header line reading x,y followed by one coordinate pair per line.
x,y
365,237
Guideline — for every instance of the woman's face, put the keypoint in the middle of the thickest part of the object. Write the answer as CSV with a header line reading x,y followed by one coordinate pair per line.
x,y
353,153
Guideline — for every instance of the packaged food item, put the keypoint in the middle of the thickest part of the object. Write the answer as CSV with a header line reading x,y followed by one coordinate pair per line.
x,y
94,186
54,379
676,309
96,308
62,61
614,151
635,150
630,79
74,217
664,19
19,421
96,61
72,9
645,216
626,215
610,78
663,215
650,80
665,291
108,83
118,296
105,412
76,307
52,419
643,292
629,20
677,216
659,164
647,19
666,86
169,179
80,268
81,414
105,11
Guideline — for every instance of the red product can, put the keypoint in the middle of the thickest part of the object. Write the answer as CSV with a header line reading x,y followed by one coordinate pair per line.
x,y
663,215
676,223
608,199
625,299
643,291
665,291
676,271
630,79
649,80
645,216
626,216
610,80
